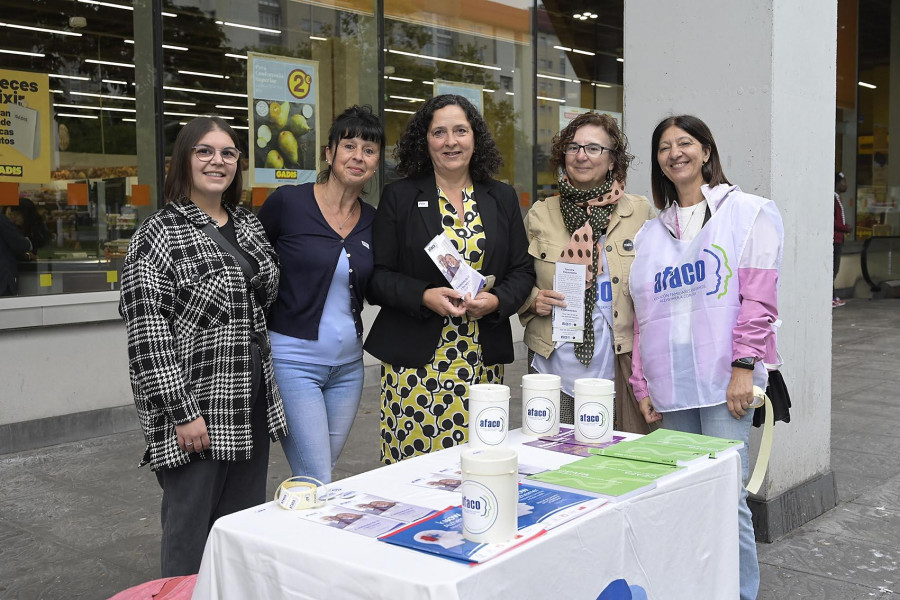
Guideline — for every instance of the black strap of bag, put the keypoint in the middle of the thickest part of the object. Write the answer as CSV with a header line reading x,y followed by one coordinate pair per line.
x,y
253,280
258,345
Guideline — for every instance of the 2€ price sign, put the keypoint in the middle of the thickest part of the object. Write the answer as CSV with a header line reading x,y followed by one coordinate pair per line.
x,y
299,83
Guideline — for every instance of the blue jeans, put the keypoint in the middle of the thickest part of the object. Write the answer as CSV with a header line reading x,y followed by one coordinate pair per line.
x,y
717,421
320,403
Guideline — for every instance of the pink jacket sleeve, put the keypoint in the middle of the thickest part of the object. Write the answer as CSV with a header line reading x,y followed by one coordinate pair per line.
x,y
637,381
758,269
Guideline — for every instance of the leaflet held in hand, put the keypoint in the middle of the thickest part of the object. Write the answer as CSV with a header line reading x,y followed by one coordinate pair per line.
x,y
458,273
568,322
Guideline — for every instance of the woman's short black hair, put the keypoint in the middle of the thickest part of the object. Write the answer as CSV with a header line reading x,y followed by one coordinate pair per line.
x,y
413,159
621,157
356,121
177,187
664,192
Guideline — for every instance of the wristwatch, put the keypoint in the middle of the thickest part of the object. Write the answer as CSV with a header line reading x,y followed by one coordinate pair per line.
x,y
744,363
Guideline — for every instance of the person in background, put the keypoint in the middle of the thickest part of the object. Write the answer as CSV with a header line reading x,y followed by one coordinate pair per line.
x,y
30,223
705,287
594,216
197,279
840,228
322,233
13,247
433,341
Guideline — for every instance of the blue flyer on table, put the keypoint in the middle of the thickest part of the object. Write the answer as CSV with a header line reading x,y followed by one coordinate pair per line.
x,y
540,509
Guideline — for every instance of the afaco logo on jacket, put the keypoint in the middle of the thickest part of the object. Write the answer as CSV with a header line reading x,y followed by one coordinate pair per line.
x,y
709,274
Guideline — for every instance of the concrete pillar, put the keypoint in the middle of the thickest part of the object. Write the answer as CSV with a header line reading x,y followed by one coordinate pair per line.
x,y
761,73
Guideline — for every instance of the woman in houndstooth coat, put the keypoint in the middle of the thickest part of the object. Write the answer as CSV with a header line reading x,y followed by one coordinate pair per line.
x,y
198,350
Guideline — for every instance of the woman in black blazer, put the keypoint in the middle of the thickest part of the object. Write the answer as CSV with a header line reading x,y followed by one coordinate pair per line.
x,y
434,342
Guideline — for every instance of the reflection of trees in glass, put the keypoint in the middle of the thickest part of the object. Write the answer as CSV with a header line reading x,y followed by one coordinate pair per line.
x,y
499,114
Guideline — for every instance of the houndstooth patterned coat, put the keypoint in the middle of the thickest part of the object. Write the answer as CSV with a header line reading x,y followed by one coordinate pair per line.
x,y
187,314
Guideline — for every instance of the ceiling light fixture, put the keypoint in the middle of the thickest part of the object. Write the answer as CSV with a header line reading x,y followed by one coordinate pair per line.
x,y
253,27
86,107
22,53
173,88
110,63
447,60
110,96
77,77
201,74
42,29
555,78
180,114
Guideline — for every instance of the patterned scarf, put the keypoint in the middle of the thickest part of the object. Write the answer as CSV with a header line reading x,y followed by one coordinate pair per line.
x,y
586,216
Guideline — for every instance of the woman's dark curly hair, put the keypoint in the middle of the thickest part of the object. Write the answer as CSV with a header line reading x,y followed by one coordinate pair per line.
x,y
619,143
177,187
411,152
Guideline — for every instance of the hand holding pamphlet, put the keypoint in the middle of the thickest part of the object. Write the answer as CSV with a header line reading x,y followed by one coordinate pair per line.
x,y
568,322
458,273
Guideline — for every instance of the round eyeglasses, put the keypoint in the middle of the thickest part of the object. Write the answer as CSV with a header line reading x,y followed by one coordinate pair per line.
x,y
592,150
206,153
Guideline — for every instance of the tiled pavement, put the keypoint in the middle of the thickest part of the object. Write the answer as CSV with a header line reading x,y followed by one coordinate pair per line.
x,y
80,521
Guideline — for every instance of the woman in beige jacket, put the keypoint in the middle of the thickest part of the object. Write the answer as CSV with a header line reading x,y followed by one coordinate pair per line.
x,y
592,222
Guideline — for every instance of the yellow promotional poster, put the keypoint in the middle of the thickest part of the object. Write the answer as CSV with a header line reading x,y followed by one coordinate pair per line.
x,y
24,127
284,119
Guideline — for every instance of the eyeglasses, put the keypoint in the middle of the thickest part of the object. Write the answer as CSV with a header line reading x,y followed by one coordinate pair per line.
x,y
206,153
592,150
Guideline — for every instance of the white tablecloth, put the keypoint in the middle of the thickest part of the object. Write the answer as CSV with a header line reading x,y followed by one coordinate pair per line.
x,y
679,540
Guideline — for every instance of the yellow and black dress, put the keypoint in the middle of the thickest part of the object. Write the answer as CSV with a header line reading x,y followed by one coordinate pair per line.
x,y
426,409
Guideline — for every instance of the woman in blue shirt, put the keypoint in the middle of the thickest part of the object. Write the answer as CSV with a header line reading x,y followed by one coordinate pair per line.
x,y
323,234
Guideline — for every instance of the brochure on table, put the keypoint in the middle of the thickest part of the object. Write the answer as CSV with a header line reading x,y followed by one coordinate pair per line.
x,y
664,454
380,507
566,443
540,509
715,447
348,519
612,478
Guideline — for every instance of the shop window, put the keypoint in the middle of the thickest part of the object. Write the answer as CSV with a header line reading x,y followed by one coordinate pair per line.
x,y
577,71
876,171
87,201
481,49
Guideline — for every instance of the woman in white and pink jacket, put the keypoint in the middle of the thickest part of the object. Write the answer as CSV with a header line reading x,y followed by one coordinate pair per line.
x,y
704,283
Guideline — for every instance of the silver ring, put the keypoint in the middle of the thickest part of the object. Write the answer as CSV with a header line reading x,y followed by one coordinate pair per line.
x,y
189,443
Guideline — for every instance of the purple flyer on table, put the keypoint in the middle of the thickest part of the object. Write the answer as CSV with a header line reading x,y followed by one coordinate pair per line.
x,y
566,443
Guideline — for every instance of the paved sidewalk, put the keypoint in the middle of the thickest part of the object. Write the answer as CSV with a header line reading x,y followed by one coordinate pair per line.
x,y
80,521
